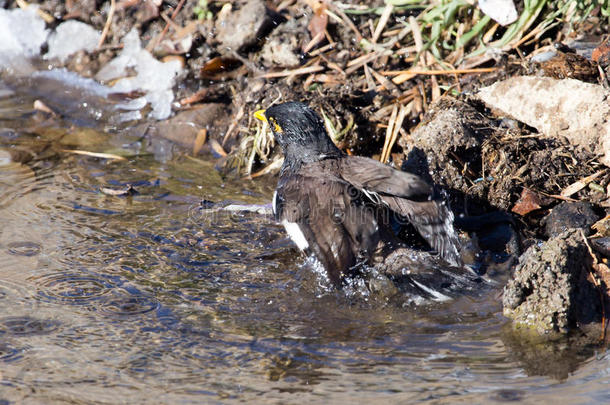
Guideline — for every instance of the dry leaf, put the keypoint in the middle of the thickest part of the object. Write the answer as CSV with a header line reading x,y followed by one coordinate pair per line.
x,y
217,148
317,25
218,65
580,184
528,202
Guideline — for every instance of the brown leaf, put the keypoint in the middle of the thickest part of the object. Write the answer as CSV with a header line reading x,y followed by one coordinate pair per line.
x,y
317,25
202,136
318,22
528,202
218,65
217,148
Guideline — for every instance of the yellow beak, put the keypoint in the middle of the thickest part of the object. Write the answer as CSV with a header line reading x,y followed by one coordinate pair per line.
x,y
260,114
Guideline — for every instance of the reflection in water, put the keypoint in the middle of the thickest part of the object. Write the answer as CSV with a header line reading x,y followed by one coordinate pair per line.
x,y
157,297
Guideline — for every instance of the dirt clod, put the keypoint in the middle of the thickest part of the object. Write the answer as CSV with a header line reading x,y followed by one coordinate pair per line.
x,y
570,215
237,25
550,290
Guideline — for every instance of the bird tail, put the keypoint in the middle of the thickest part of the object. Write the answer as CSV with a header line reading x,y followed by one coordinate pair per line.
x,y
434,222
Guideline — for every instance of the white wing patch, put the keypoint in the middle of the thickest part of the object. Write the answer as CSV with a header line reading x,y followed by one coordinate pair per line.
x,y
273,204
295,233
373,196
437,296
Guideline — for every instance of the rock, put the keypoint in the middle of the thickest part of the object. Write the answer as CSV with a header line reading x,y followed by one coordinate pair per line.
x,y
565,108
239,27
184,126
570,215
570,65
550,290
276,53
602,246
282,46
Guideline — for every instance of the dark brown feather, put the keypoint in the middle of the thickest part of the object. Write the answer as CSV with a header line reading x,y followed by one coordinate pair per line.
x,y
340,232
396,189
342,204
369,174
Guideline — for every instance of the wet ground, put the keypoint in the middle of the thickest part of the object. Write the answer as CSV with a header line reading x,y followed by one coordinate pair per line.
x,y
155,298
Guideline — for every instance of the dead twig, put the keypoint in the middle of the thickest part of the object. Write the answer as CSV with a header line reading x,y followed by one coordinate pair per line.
x,y
94,154
339,16
388,132
194,98
294,72
383,20
580,184
395,129
240,113
107,24
438,72
48,18
152,44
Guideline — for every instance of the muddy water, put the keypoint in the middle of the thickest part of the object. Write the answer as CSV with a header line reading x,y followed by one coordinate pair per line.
x,y
156,298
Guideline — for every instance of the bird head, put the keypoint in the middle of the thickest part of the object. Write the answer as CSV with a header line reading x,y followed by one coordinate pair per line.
x,y
300,132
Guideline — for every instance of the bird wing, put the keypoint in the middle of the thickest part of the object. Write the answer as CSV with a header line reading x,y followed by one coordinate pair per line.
x,y
434,222
407,195
369,174
338,231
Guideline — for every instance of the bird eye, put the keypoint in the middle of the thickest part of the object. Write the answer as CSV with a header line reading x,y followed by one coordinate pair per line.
x,y
276,126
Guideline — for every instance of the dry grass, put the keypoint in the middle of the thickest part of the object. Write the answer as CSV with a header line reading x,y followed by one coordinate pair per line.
x,y
416,51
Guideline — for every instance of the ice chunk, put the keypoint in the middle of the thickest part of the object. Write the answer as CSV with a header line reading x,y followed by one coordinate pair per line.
x,y
22,33
153,77
73,80
70,37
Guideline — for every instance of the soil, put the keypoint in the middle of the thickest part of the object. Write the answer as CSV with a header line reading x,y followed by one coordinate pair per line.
x,y
485,161
551,290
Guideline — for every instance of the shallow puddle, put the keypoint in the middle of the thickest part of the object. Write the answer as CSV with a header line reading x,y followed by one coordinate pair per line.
x,y
155,298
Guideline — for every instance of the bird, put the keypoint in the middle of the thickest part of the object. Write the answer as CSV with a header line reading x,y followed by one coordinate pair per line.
x,y
345,209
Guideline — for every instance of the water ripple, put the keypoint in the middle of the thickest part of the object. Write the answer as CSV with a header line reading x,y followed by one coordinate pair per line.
x,y
24,248
70,288
10,353
120,307
27,326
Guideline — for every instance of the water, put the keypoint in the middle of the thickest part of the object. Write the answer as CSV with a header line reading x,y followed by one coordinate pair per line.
x,y
149,299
